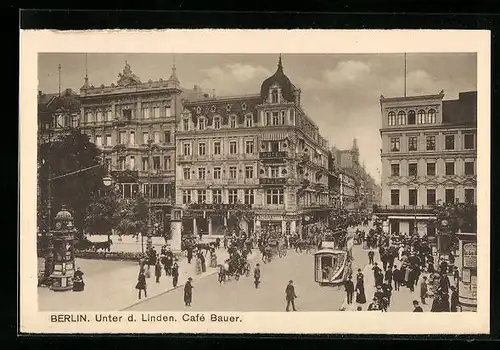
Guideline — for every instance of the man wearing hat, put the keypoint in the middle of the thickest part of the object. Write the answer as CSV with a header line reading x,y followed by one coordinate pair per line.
x,y
423,290
256,275
175,273
290,296
188,292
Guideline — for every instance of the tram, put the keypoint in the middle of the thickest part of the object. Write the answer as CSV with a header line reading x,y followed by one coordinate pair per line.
x,y
332,264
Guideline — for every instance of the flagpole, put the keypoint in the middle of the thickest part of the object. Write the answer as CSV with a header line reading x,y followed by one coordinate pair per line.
x,y
405,74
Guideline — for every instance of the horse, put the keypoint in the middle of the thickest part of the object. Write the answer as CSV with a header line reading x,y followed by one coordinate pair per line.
x,y
106,245
84,244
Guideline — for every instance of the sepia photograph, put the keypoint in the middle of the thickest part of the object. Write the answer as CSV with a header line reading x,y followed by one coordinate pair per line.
x,y
188,187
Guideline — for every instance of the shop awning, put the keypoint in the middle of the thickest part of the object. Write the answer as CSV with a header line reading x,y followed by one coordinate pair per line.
x,y
411,217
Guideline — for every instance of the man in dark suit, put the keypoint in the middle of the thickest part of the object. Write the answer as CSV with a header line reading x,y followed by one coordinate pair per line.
x,y
290,296
396,276
349,289
454,299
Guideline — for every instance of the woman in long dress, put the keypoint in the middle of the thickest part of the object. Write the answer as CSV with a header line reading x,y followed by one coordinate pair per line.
x,y
213,258
78,284
198,265
188,292
360,288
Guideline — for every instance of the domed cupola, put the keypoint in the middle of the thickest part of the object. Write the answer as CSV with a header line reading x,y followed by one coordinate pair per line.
x,y
279,78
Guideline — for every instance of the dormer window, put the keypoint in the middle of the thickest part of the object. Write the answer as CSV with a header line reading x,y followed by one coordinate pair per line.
x,y
198,110
185,124
232,122
249,121
274,96
201,124
243,106
216,122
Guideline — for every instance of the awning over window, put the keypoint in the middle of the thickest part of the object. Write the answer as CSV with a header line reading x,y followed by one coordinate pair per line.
x,y
411,217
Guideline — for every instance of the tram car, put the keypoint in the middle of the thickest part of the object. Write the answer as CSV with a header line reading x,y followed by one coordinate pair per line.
x,y
332,266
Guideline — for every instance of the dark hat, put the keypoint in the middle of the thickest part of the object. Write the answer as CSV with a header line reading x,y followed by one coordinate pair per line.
x,y
415,301
190,279
257,265
290,281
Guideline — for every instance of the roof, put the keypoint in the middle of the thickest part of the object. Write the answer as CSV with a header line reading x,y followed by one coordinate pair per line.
x,y
462,111
287,88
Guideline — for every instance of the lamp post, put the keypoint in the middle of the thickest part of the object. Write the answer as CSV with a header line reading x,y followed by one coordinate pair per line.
x,y
149,242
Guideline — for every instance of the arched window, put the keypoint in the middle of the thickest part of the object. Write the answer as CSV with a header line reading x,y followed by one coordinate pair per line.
x,y
401,118
274,96
431,117
411,117
421,116
392,118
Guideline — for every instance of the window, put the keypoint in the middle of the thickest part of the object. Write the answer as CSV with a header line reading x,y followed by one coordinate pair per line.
x,y
217,196
217,173
249,146
185,124
412,143
186,197
156,112
412,169
156,136
274,96
274,196
108,139
123,137
232,147
249,197
201,149
392,118
89,116
122,163
431,117
469,195
248,121
469,168
168,111
98,140
232,122
394,169
145,137
292,117
268,118
450,168
99,116
282,120
187,149
232,172
145,163
233,196
394,197
74,121
431,196
401,118
216,147
431,169
156,163
202,196
431,143
412,197
249,172
394,144
421,116
109,116
145,113
449,196
201,173
274,171
276,118
411,117
167,136
217,123
201,124
167,162
131,139
449,142
469,141
187,173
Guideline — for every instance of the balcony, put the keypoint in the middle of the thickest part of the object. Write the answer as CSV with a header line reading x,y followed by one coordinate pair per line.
x,y
272,180
219,206
403,209
273,155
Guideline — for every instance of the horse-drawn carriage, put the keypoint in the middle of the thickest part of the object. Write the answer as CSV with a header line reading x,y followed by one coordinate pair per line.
x,y
235,267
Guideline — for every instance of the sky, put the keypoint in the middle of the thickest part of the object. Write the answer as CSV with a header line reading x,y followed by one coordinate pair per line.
x,y
339,92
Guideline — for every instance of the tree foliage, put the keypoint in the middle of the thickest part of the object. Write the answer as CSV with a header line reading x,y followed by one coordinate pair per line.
x,y
101,216
132,216
456,217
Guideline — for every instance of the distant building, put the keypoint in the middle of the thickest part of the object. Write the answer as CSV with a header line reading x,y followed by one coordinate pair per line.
x,y
428,156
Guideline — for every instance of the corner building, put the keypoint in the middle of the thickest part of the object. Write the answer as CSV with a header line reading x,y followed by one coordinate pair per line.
x,y
258,154
428,156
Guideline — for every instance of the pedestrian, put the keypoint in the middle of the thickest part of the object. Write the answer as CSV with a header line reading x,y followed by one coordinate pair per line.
x,y
158,271
454,299
371,255
78,284
456,275
197,266
360,288
290,296
349,289
387,289
213,258
203,262
373,306
377,275
175,274
188,292
423,290
141,284
189,254
256,275
416,307
388,275
396,276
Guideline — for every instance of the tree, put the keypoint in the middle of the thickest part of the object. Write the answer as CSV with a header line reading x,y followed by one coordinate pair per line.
x,y
132,215
101,216
69,153
455,217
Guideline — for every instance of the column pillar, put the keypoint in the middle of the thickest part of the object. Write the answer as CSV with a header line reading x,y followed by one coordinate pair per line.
x,y
209,221
195,229
293,227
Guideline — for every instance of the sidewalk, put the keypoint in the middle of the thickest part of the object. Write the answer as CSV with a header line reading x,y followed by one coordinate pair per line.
x,y
115,290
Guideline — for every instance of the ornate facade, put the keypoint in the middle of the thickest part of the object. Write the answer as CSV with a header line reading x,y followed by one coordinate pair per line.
x,y
428,155
133,122
259,155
